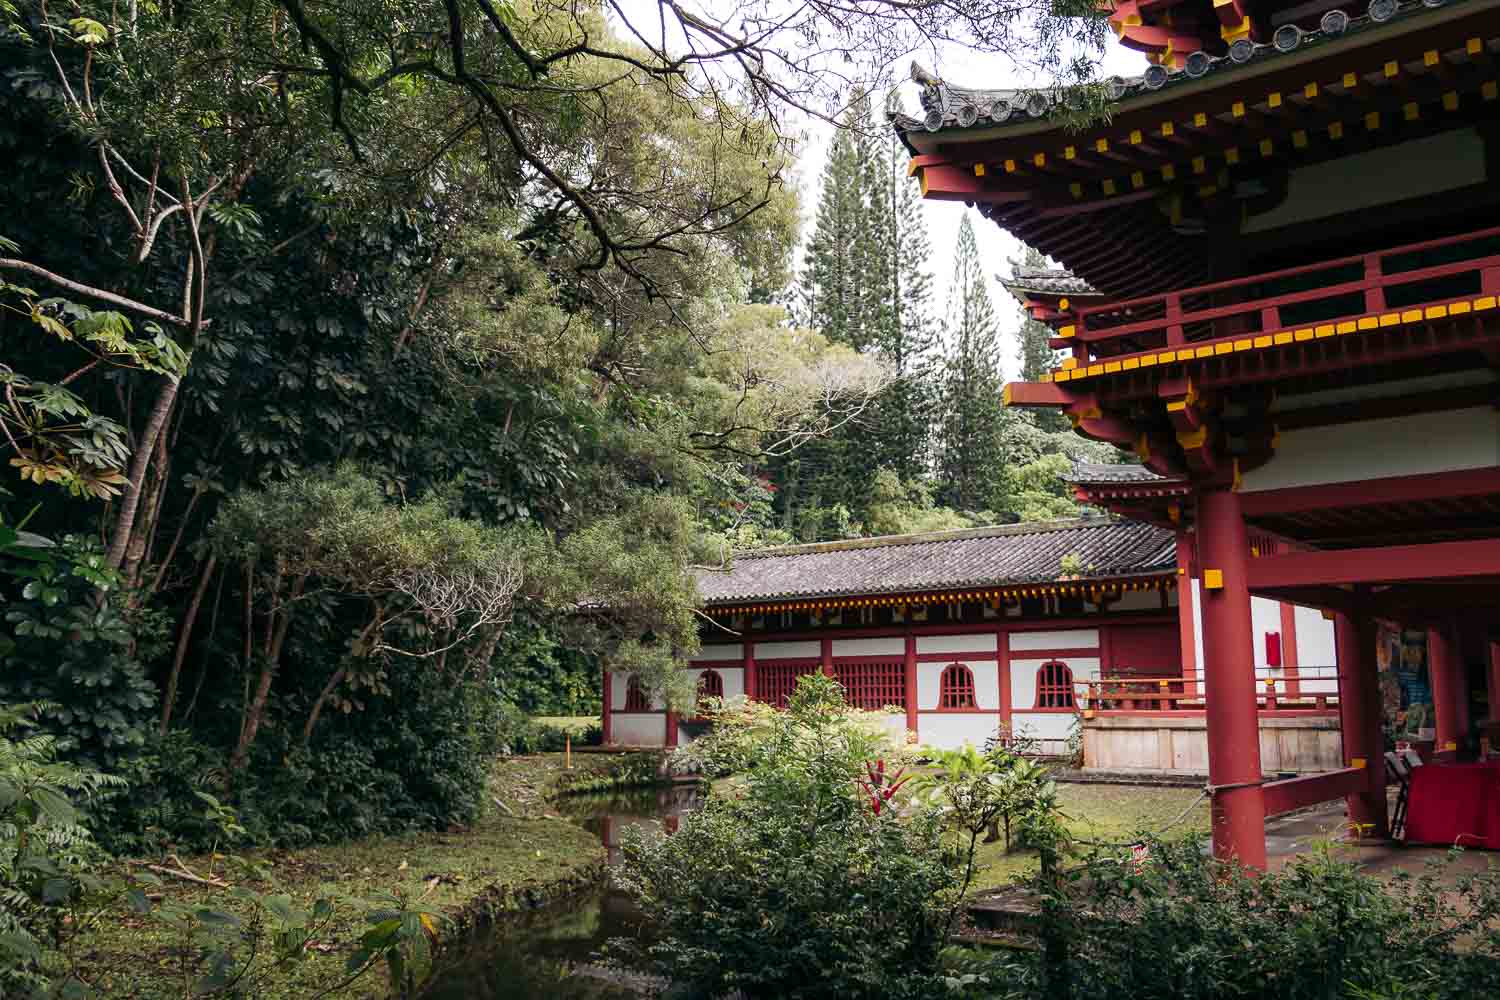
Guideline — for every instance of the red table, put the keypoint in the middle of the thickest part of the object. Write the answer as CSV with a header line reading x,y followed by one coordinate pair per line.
x,y
1454,804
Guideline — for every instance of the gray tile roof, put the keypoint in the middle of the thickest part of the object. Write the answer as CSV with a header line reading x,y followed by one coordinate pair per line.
x,y
1045,281
945,106
944,560
1100,472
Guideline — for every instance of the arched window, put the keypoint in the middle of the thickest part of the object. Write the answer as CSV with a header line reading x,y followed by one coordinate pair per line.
x,y
635,698
956,687
1054,686
710,685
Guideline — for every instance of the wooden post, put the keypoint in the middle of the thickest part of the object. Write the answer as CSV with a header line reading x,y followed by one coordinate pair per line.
x,y
828,657
1290,665
608,736
567,750
1186,630
1492,679
1239,806
750,680
1450,695
1359,719
911,683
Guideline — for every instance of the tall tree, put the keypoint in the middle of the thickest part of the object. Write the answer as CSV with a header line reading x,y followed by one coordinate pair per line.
x,y
970,453
1037,355
907,335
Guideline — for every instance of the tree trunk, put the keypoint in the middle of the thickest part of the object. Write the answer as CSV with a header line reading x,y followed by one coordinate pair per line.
x,y
317,709
124,526
183,636
276,629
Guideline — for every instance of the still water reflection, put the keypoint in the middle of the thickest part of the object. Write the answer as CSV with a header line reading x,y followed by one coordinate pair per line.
x,y
555,952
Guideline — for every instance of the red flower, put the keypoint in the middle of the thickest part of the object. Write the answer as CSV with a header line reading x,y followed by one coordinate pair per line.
x,y
878,787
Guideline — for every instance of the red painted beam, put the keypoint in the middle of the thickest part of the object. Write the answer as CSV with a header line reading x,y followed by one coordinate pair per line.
x,y
1395,489
952,183
1037,394
1298,793
1380,564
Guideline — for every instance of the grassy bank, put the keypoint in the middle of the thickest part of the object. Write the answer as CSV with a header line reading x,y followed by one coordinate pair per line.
x,y
521,853
1105,813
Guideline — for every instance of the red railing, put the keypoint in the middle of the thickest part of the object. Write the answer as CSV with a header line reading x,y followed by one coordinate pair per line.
x,y
1343,289
1312,689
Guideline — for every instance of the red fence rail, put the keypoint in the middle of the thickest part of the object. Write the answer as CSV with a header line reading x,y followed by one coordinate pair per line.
x,y
1283,690
1342,289
873,684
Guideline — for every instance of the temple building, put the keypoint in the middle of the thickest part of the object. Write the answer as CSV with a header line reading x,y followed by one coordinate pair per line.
x,y
1282,262
1077,630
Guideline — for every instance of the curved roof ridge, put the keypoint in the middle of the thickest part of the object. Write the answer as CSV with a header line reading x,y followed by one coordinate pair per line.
x,y
918,537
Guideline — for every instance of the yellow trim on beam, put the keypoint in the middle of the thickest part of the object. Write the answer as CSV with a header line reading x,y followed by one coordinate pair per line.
x,y
979,170
1310,91
1306,333
1336,130
1237,109
1273,99
911,167
1435,312
1167,357
1299,139
1244,345
1130,363
1063,303
1076,189
1369,322
1040,159
1223,348
1284,337
1108,186
1323,330
1168,172
1263,341
1101,145
1392,68
1411,111
1267,147
1167,129
1372,121
1348,326
1431,58
1232,155
1148,360
1202,352
1094,370
1458,308
1350,81
1010,166
1135,137
1411,316
1390,319
1067,331
1069,364
1488,302
1200,120
1450,101
1137,180
1069,152
1110,367
1199,165
1489,90
1474,46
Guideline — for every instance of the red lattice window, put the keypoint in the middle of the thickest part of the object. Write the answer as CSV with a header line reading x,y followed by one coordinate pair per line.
x,y
710,685
1054,686
775,680
956,687
635,698
873,684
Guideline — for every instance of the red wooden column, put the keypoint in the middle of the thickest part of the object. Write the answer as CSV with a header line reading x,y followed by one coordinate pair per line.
x,y
1239,805
1185,629
1290,665
749,671
828,657
671,728
1002,648
911,683
608,736
1492,677
1450,696
1359,718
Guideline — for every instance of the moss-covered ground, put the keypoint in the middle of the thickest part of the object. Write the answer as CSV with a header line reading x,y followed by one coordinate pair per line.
x,y
1102,813
519,853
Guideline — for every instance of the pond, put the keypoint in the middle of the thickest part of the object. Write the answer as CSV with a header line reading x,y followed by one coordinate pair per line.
x,y
554,952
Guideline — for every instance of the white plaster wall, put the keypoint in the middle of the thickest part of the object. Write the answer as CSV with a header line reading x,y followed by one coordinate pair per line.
x,y
1050,726
890,646
776,650
978,642
951,730
734,680
722,651
617,687
1412,169
1377,449
1315,649
1069,638
986,684
638,730
1198,632
1023,678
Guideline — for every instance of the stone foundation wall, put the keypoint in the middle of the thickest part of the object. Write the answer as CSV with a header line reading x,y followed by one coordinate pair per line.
x,y
1178,744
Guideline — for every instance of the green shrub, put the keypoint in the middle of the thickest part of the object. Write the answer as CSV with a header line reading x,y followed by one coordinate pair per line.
x,y
794,885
